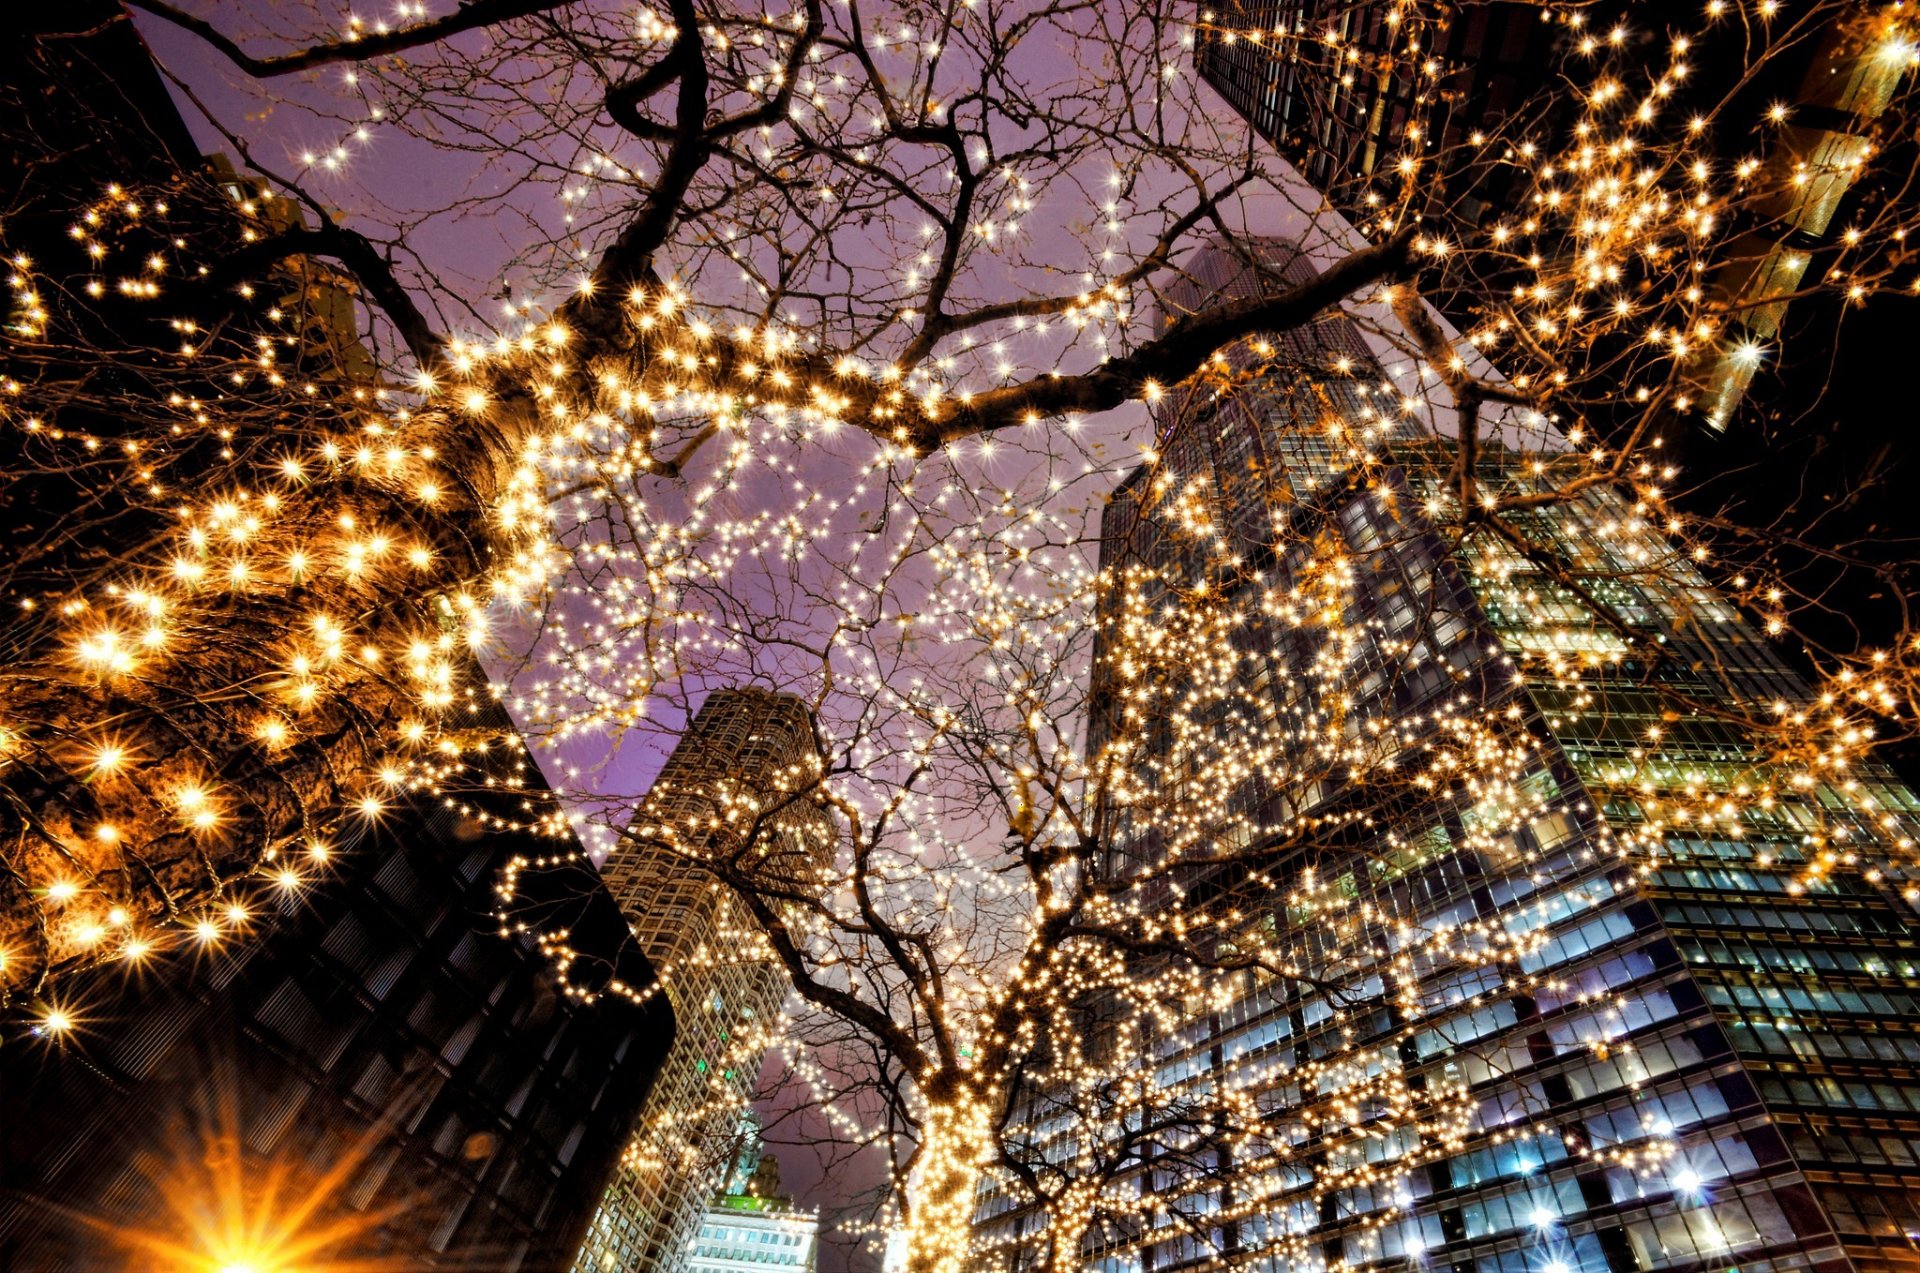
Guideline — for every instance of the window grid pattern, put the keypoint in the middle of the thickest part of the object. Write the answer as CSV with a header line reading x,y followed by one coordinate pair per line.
x,y
378,1017
1773,1038
744,745
738,1236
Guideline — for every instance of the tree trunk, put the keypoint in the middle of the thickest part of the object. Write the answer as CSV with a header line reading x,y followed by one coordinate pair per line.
x,y
1067,1220
957,1142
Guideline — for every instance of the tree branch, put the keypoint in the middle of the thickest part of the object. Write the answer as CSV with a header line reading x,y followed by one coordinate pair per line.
x,y
468,17
1169,359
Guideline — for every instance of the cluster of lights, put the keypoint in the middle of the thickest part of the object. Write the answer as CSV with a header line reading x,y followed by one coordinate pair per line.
x,y
609,494
333,546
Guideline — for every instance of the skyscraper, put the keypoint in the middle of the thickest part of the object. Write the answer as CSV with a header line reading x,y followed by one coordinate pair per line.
x,y
1705,1058
1335,87
348,1062
737,783
373,1042
1317,80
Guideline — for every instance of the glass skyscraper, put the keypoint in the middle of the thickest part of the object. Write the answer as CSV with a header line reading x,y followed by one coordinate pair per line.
x,y
1327,83
1701,1057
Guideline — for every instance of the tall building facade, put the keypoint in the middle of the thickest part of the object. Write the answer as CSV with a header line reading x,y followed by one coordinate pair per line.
x,y
737,782
1700,1060
1332,85
373,1044
357,1069
1318,80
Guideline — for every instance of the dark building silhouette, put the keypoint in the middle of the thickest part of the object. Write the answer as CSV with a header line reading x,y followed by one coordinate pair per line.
x,y
379,1028
1329,83
84,112
85,105
366,1045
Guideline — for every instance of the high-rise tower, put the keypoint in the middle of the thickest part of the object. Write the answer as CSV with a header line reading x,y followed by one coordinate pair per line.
x,y
422,1089
1701,1058
737,783
347,1063
1335,87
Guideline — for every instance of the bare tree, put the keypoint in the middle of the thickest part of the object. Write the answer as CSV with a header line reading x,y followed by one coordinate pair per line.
x,y
827,306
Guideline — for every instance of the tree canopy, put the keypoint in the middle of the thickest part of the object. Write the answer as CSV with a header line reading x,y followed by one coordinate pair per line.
x,y
595,356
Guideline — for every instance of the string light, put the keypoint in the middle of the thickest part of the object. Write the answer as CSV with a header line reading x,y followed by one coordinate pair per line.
x,y
654,521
